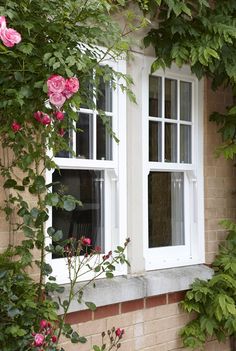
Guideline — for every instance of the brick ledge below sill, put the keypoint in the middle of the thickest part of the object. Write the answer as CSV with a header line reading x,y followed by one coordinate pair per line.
x,y
127,288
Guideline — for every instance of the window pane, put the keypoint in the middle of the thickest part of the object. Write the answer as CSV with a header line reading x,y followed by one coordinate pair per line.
x,y
86,92
155,141
88,220
104,99
84,138
185,144
104,140
166,209
170,142
68,139
170,98
185,101
155,93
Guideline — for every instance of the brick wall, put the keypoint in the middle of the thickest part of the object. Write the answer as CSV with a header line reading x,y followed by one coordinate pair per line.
x,y
150,325
219,174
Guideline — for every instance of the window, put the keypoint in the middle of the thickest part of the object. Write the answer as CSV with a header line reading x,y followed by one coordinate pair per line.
x,y
174,189
95,174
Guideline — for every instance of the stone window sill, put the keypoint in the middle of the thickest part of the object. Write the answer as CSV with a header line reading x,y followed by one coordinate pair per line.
x,y
128,288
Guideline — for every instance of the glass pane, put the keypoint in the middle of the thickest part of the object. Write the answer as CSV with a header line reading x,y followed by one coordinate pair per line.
x,y
86,92
68,140
155,141
104,139
185,144
88,220
170,98
166,209
155,93
170,142
84,138
104,99
185,101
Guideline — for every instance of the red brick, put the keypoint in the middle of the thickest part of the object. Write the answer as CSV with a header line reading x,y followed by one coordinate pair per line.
x,y
130,306
156,300
176,296
106,311
79,317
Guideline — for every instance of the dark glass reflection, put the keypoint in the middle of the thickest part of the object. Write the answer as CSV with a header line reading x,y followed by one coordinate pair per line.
x,y
166,209
170,98
185,144
104,139
170,142
104,96
84,138
155,96
185,101
154,141
68,139
88,220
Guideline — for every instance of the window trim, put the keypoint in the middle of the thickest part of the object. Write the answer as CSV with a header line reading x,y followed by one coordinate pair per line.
x,y
115,185
167,257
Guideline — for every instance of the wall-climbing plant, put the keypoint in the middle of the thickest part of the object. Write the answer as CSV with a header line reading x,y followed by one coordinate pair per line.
x,y
50,52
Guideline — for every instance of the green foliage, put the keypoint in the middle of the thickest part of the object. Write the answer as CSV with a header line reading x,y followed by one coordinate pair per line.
x,y
196,33
63,38
213,301
19,308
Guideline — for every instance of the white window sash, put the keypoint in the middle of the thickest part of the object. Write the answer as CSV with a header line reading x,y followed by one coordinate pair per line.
x,y
115,185
193,250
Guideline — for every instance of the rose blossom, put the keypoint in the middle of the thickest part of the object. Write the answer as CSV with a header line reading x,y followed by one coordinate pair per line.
x,y
86,241
71,87
46,120
54,338
59,115
61,132
38,116
43,324
119,332
56,84
15,127
9,36
38,339
57,99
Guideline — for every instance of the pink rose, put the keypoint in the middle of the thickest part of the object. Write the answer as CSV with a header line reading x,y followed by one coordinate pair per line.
x,y
61,132
9,36
43,324
54,338
15,127
119,332
72,86
2,22
59,115
38,116
86,241
57,99
56,84
38,339
46,120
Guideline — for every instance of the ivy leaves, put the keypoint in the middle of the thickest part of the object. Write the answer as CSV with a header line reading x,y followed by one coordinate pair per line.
x,y
194,33
213,301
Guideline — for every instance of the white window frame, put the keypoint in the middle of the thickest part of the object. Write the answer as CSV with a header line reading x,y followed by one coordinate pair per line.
x,y
192,252
115,209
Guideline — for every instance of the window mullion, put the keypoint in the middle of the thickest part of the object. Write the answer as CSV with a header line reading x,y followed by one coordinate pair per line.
x,y
178,121
74,139
163,124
